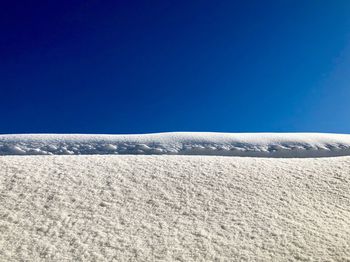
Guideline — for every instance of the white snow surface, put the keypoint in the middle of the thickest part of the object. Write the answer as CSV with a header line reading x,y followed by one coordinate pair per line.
x,y
180,143
174,208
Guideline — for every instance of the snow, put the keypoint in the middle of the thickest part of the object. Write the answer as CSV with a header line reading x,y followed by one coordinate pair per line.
x,y
181,143
174,208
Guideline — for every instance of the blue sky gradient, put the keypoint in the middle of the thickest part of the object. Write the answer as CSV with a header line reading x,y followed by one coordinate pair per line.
x,y
153,66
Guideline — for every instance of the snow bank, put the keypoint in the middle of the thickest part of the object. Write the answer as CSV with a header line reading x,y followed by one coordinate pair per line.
x,y
220,144
174,208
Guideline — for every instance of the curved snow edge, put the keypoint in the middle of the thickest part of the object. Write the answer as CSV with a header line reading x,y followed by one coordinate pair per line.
x,y
181,143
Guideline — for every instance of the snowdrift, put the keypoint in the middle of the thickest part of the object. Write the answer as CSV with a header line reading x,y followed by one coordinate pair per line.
x,y
174,208
181,143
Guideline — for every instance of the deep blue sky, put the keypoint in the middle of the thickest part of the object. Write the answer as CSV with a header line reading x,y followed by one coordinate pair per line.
x,y
150,66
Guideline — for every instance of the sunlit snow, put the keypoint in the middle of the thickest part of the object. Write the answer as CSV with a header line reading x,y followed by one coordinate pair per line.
x,y
181,143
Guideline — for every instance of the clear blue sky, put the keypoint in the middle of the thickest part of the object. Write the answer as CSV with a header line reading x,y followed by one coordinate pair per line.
x,y
151,66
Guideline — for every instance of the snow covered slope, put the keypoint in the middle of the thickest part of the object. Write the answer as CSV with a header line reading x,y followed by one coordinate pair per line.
x,y
174,208
220,144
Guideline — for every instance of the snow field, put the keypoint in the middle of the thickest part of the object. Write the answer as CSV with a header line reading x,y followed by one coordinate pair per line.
x,y
174,208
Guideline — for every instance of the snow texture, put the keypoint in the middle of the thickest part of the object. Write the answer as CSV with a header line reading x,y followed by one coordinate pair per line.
x,y
174,208
181,143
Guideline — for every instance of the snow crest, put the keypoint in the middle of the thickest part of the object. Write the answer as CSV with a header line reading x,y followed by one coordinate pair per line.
x,y
180,143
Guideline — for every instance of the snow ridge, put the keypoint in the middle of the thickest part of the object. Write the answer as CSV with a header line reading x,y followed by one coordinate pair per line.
x,y
180,143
